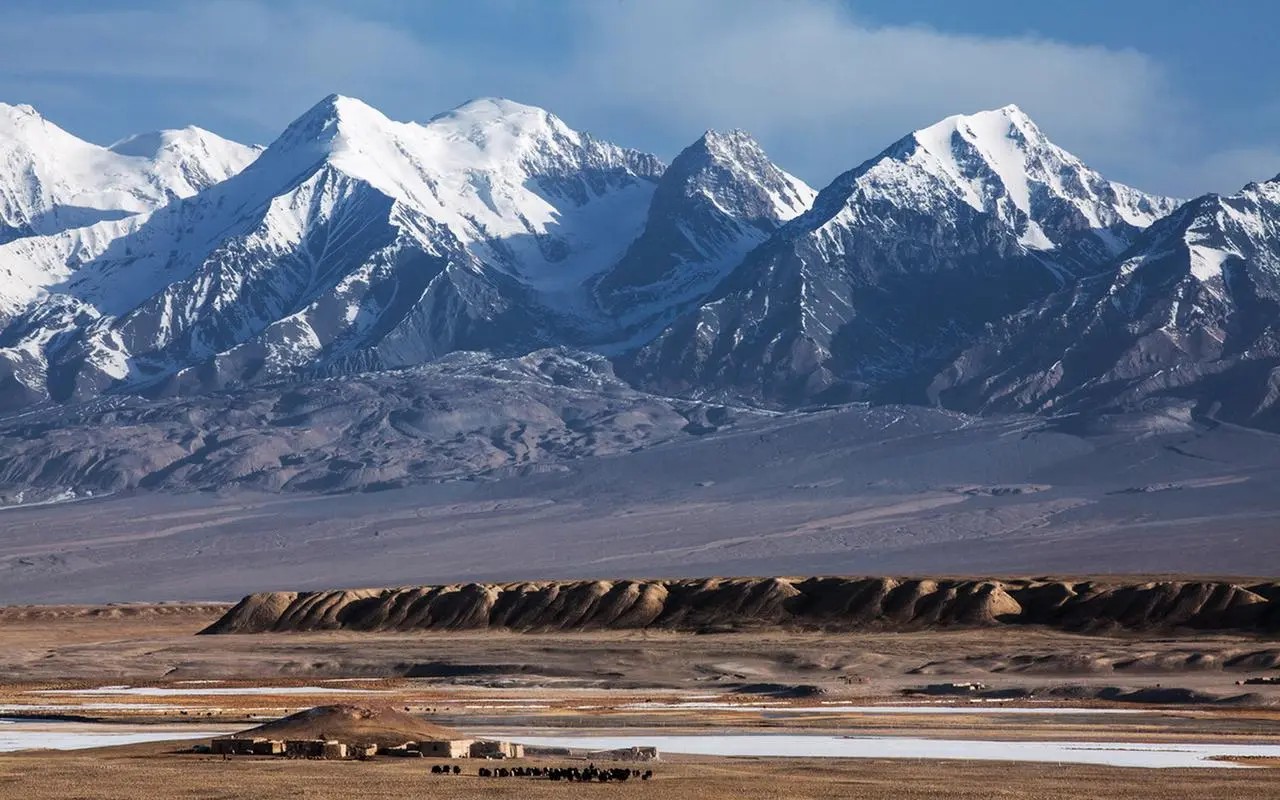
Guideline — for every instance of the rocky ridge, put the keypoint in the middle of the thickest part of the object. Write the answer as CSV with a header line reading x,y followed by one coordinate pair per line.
x,y
743,603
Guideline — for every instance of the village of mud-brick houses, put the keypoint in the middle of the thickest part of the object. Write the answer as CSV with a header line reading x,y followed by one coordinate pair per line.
x,y
337,750
344,731
228,746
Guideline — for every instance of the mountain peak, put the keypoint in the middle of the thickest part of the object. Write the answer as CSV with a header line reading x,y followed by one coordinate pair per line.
x,y
142,145
999,134
497,120
54,181
999,161
25,124
734,135
335,124
153,144
19,110
726,142
492,125
720,198
488,108
337,108
707,164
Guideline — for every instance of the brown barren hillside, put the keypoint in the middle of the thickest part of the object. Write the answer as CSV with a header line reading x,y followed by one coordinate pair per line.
x,y
384,727
727,603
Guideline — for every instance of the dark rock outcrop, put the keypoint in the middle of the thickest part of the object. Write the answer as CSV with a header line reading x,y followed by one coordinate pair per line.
x,y
900,264
721,604
1188,315
465,415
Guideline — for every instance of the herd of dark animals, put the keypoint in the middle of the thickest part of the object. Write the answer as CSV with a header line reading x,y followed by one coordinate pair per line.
x,y
591,774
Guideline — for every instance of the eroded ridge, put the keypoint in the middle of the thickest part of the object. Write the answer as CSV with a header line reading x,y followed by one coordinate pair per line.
x,y
729,603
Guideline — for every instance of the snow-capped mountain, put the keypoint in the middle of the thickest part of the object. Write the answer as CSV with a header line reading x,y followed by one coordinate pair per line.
x,y
1191,313
51,181
187,160
899,263
1000,163
973,264
720,198
353,241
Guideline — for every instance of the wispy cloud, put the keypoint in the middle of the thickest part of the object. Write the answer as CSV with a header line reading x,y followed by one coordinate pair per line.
x,y
831,90
820,87
250,61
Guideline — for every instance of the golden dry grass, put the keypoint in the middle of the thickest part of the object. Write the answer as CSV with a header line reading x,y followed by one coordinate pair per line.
x,y
146,771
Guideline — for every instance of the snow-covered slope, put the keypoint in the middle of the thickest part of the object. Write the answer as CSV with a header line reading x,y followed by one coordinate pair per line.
x,y
50,181
972,264
1191,313
899,263
720,198
353,241
187,160
1000,163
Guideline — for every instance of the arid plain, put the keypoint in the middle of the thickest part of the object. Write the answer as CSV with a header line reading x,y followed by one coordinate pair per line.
x,y
140,667
939,686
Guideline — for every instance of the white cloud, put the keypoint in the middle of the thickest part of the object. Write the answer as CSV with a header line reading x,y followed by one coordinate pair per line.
x,y
810,79
820,87
249,61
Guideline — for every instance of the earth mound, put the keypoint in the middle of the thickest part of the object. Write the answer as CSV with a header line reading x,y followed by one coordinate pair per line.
x,y
384,727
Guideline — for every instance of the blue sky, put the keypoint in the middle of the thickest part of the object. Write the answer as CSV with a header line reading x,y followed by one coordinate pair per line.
x,y
1175,96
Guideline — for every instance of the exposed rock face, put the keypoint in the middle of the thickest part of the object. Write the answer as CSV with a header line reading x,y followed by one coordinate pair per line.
x,y
464,415
732,603
356,243
720,198
1189,314
899,264
352,243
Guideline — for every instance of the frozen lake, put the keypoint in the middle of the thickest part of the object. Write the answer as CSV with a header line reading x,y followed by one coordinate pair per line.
x,y
31,735
1116,754
232,691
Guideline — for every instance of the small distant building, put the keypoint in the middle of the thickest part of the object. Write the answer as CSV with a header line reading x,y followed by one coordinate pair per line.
x,y
625,754
233,746
446,748
496,749
304,748
333,749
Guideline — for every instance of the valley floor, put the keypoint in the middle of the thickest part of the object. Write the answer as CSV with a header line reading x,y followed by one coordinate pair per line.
x,y
156,769
141,668
850,491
